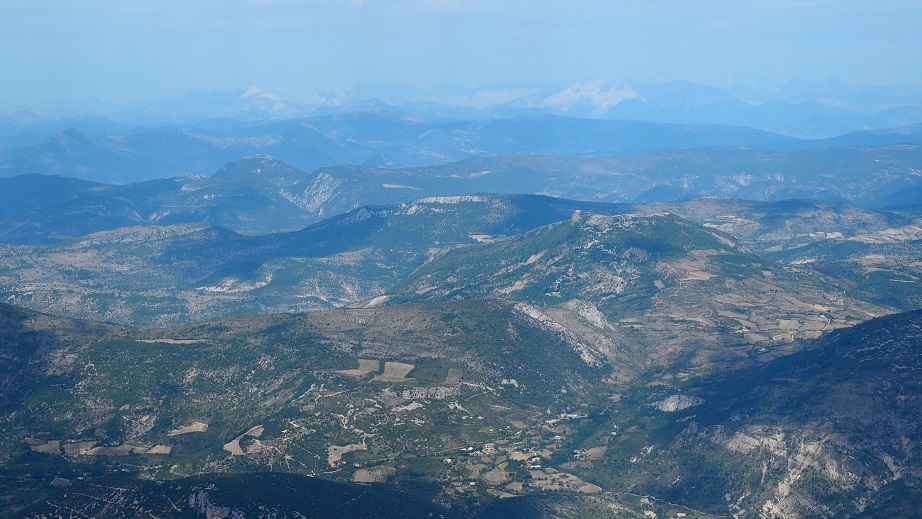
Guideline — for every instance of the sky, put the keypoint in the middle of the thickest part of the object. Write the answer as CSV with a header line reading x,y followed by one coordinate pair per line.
x,y
130,52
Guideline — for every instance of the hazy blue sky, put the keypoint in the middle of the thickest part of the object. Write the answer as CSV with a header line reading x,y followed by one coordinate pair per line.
x,y
130,51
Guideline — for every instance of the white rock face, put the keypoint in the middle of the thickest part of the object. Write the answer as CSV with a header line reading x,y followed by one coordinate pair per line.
x,y
451,199
321,190
673,403
200,501
589,313
409,407
586,352
421,393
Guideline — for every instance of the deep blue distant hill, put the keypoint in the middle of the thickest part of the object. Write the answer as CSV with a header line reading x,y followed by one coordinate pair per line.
x,y
260,194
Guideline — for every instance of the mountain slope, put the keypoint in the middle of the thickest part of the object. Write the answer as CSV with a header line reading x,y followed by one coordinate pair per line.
x,y
245,495
191,272
137,156
382,394
254,195
171,274
127,155
130,154
657,290
867,177
26,193
259,194
830,431
556,262
432,397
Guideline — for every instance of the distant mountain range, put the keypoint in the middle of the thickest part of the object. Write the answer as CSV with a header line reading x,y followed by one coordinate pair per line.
x,y
106,151
170,274
260,194
806,109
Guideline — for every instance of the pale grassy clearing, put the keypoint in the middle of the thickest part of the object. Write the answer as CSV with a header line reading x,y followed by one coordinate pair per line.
x,y
335,452
695,265
51,447
697,275
192,428
788,324
78,448
552,480
395,372
366,366
120,450
895,234
373,475
233,446
498,475
596,453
